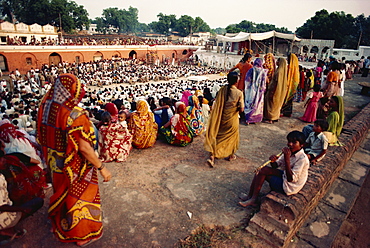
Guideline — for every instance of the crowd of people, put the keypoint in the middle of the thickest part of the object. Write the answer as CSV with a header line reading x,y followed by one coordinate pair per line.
x,y
18,41
98,123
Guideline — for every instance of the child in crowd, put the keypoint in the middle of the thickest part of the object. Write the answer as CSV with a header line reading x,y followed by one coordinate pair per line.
x,y
114,140
122,116
312,104
292,176
316,142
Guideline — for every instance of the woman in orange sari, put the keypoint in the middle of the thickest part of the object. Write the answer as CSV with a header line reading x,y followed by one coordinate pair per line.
x,y
75,209
244,66
142,126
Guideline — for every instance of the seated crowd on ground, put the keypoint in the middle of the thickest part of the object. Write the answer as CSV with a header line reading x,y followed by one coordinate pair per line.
x,y
128,115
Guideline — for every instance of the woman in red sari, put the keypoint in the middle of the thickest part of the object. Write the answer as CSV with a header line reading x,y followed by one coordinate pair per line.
x,y
114,140
75,209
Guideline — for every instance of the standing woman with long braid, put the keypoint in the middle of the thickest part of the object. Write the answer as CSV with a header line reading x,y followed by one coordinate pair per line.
x,y
222,136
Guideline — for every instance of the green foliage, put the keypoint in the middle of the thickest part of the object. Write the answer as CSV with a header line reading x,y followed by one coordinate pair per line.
x,y
184,25
339,26
219,30
251,27
125,21
44,12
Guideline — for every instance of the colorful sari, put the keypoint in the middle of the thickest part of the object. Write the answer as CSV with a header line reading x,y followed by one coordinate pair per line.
x,y
113,111
185,97
293,81
179,132
336,122
25,182
255,86
75,209
243,67
142,126
114,143
276,92
222,134
195,115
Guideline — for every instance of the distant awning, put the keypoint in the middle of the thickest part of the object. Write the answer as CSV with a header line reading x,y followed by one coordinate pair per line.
x,y
242,36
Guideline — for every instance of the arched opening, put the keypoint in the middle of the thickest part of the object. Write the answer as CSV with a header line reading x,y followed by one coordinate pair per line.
x,y
3,63
97,56
79,57
325,50
305,49
54,59
314,49
173,55
116,55
132,55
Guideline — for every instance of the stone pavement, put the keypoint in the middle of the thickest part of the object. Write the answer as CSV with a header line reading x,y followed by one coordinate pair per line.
x,y
321,228
161,194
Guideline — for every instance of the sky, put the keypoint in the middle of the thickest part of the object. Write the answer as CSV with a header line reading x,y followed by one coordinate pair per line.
x,y
220,13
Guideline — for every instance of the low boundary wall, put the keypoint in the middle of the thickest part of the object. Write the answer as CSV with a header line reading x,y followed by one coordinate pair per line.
x,y
281,216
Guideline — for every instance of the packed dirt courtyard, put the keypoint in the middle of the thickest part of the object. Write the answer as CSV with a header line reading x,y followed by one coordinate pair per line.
x,y
159,195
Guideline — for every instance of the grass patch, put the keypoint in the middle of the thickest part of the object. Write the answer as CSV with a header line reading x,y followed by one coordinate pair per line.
x,y
204,237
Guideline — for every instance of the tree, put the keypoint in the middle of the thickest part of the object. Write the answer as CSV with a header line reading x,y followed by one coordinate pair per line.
x,y
125,21
251,27
43,12
185,25
164,23
219,30
336,26
362,24
200,25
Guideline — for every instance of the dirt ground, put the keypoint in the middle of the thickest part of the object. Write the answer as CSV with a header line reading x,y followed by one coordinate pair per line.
x,y
163,194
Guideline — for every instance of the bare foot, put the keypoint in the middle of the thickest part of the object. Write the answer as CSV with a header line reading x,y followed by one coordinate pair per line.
x,y
250,202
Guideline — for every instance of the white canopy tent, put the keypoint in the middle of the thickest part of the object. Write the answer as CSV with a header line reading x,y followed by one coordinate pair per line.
x,y
242,36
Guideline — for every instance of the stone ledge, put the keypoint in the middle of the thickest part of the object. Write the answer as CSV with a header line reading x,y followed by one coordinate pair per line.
x,y
280,215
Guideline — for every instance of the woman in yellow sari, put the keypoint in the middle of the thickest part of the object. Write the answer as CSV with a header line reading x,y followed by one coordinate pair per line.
x,y
276,93
142,126
67,138
293,81
222,136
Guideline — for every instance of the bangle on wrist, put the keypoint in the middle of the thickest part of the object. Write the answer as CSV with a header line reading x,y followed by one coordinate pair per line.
x,y
101,167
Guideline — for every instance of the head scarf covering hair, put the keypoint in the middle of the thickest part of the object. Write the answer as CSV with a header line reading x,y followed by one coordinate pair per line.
x,y
340,123
111,108
185,97
179,133
270,65
293,77
143,126
276,92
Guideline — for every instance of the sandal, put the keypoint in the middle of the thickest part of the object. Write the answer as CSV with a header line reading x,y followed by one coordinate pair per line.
x,y
211,162
231,157
17,235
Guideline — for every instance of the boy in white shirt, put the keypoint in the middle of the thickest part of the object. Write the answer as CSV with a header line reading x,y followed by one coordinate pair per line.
x,y
288,180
